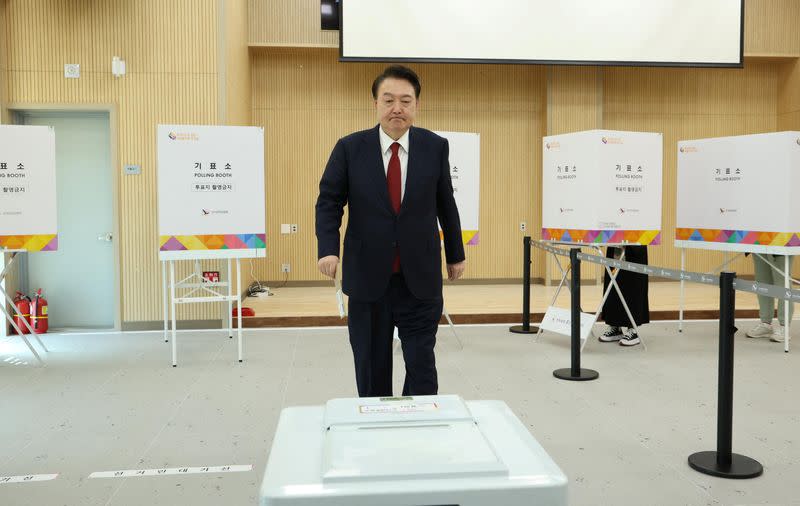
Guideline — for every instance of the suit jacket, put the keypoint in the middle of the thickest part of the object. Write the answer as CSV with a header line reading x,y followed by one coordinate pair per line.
x,y
355,176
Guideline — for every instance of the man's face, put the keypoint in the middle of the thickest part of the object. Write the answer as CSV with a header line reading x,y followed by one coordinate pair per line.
x,y
396,106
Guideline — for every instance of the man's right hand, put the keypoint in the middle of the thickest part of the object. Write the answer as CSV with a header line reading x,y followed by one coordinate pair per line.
x,y
327,265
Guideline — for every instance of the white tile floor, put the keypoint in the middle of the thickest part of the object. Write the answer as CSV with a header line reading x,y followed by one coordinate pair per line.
x,y
111,402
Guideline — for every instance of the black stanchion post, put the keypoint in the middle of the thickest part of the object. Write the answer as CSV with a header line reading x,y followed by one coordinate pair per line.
x,y
526,328
575,373
724,463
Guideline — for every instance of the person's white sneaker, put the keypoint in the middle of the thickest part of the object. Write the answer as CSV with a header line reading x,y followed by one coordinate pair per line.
x,y
761,330
777,334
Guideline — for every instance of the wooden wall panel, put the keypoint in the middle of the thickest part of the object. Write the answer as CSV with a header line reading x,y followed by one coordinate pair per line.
x,y
305,99
302,93
789,121
690,104
293,23
3,62
574,99
789,87
574,103
770,28
171,54
236,65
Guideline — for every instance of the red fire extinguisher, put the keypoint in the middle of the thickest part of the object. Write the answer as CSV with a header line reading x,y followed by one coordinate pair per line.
x,y
22,313
39,313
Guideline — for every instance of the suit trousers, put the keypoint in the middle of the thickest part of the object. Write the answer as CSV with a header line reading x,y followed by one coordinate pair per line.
x,y
371,326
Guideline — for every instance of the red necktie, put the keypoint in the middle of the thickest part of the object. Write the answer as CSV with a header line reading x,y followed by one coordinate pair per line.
x,y
393,183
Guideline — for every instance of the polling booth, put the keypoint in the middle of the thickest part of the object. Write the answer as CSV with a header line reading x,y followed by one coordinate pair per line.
x,y
28,213
210,206
599,188
739,195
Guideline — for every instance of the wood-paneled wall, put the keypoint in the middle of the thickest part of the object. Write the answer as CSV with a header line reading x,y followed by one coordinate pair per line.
x,y
679,102
690,104
3,64
574,103
770,26
187,66
172,77
237,106
294,23
306,100
789,96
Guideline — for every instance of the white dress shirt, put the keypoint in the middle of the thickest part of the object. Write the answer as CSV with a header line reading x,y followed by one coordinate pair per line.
x,y
402,153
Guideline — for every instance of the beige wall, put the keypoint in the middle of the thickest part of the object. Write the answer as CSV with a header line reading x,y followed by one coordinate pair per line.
x,y
172,77
690,104
3,64
574,103
188,62
789,95
678,102
770,28
294,23
306,100
236,68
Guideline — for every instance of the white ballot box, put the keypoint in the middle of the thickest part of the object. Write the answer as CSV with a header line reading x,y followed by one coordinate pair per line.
x,y
420,451
602,186
740,193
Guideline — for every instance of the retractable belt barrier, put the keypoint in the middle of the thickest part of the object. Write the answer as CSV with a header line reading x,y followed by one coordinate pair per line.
x,y
722,462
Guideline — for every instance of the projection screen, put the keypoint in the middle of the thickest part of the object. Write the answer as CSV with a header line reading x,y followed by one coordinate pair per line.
x,y
582,32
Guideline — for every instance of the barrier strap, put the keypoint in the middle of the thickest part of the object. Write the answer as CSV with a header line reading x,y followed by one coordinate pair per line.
x,y
743,285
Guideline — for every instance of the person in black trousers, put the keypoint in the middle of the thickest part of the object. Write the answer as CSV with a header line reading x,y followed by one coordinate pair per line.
x,y
634,288
395,180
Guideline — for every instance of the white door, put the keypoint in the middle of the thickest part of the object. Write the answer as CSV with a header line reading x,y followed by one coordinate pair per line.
x,y
78,279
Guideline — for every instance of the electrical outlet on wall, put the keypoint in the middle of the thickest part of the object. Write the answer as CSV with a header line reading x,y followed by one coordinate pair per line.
x,y
293,227
72,70
286,268
523,226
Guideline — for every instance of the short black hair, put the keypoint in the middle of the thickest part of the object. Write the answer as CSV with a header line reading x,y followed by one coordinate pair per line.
x,y
397,72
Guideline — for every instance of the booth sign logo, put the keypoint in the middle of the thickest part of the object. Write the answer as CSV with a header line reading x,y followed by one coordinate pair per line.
x,y
612,140
183,136
688,149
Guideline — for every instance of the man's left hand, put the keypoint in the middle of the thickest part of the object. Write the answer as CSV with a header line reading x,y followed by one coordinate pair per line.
x,y
455,271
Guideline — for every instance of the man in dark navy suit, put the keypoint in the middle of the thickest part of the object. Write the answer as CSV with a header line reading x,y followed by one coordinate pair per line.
x,y
395,178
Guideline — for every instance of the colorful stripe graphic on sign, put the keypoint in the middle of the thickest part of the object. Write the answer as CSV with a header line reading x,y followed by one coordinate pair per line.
x,y
46,242
212,242
643,237
790,239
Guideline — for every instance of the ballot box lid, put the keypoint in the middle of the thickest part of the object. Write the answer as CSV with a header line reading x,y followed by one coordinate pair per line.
x,y
404,438
442,450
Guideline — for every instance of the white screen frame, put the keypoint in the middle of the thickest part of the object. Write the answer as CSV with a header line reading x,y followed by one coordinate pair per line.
x,y
367,42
